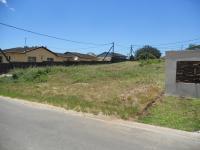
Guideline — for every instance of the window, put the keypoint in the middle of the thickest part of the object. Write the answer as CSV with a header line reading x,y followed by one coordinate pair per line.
x,y
31,59
1,59
50,59
188,71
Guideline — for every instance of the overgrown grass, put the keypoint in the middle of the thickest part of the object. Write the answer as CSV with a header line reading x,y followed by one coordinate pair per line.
x,y
173,112
121,90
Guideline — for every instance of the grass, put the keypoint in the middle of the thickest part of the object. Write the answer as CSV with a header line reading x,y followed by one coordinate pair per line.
x,y
174,112
121,90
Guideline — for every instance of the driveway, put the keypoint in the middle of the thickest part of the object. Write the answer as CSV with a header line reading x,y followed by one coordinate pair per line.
x,y
28,126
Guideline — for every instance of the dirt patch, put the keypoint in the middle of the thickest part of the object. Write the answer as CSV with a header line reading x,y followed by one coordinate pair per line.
x,y
140,95
150,104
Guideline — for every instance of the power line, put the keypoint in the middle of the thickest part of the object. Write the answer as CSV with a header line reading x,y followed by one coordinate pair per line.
x,y
82,48
90,43
178,42
123,46
170,44
177,46
50,36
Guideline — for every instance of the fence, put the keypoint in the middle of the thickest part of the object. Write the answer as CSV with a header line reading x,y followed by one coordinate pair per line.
x,y
5,67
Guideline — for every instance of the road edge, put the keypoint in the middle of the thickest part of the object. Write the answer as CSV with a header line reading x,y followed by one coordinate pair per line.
x,y
106,119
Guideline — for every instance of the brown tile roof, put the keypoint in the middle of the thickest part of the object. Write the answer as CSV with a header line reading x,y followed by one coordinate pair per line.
x,y
64,55
86,56
19,49
25,49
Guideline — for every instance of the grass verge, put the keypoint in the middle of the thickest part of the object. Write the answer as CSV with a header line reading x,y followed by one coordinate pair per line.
x,y
174,112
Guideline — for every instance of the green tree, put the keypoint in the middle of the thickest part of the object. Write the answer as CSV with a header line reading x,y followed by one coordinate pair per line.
x,y
147,52
193,47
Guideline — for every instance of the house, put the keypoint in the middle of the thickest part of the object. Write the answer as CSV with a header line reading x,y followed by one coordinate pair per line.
x,y
42,54
74,56
29,54
32,54
105,56
91,54
65,57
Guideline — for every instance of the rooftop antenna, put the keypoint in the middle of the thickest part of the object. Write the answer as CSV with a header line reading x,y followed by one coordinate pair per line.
x,y
25,42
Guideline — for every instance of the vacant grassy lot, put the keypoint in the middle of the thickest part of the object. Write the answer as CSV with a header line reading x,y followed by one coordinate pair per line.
x,y
121,90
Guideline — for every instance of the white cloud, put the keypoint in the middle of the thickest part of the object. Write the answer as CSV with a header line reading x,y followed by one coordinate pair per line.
x,y
12,9
3,1
6,4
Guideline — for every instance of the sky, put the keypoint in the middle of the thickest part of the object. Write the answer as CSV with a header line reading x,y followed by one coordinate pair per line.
x,y
159,23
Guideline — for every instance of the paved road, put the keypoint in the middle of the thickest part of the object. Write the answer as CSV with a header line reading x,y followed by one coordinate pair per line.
x,y
26,127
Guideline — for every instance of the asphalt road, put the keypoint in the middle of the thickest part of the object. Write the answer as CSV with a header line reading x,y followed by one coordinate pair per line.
x,y
27,127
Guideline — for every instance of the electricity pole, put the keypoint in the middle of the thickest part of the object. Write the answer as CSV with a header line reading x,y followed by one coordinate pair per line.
x,y
110,51
131,53
113,48
181,47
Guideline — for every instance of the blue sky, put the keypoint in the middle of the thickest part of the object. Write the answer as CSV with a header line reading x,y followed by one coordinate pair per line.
x,y
125,22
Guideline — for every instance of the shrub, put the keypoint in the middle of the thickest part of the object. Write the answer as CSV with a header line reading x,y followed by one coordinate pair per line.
x,y
31,74
147,52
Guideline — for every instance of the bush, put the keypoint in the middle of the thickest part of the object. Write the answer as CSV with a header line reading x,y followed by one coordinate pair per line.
x,y
31,74
149,62
147,52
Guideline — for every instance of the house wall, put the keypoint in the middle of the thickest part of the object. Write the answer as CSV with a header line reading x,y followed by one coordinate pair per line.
x,y
41,55
180,88
13,57
106,59
86,59
76,58
59,58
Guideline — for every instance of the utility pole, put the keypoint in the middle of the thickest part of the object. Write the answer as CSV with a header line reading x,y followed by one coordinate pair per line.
x,y
113,48
181,47
131,53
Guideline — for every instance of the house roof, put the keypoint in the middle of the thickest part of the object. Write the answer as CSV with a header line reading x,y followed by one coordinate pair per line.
x,y
91,54
24,49
63,55
19,49
80,55
110,54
